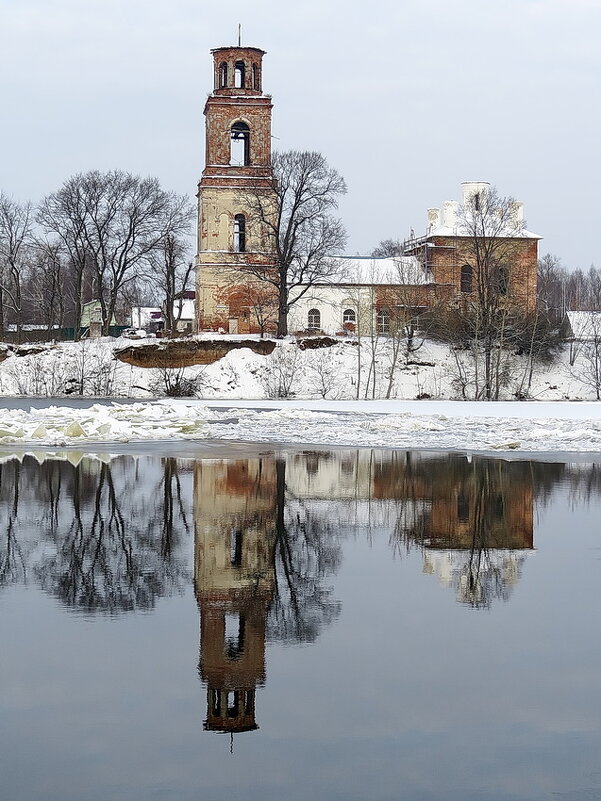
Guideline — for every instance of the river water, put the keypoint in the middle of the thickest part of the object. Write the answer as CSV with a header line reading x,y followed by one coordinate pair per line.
x,y
276,626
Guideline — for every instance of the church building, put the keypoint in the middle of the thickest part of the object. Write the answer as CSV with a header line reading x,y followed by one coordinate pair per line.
x,y
364,293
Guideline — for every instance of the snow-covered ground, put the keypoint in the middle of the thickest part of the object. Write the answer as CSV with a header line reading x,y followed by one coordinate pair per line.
x,y
237,400
343,371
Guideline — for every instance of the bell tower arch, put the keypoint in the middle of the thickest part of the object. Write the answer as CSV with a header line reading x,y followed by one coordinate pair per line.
x,y
231,237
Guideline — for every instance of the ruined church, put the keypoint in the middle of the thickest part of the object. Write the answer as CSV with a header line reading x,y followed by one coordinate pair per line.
x,y
432,268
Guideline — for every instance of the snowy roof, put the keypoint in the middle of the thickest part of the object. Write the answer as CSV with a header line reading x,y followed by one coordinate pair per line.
x,y
366,270
459,230
585,324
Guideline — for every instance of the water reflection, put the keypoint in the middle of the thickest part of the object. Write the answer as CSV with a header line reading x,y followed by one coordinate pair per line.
x,y
254,545
100,537
476,524
261,559
112,536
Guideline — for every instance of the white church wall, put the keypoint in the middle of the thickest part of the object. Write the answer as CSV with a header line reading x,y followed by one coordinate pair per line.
x,y
331,302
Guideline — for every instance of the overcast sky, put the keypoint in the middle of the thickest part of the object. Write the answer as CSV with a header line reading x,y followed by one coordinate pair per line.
x,y
406,99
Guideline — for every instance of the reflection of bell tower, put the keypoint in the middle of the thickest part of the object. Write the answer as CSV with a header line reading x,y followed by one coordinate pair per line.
x,y
234,523
237,171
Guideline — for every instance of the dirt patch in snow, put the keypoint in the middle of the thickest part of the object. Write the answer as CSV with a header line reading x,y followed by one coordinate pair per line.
x,y
188,352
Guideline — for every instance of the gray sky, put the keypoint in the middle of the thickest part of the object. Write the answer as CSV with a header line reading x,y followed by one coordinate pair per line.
x,y
406,99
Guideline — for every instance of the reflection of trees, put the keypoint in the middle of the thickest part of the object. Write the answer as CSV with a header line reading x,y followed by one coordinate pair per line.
x,y
12,559
105,537
305,553
108,557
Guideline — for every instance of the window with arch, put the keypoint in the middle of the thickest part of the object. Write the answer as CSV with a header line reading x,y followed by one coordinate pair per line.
x,y
383,321
223,75
239,74
240,144
239,233
466,278
314,320
255,77
503,280
349,316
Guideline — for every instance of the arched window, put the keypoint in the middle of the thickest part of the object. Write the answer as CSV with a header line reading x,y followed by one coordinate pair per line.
x,y
240,233
349,316
255,77
503,280
466,278
239,74
314,320
240,144
223,75
383,321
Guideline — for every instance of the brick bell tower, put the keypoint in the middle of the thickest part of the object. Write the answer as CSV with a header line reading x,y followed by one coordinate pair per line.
x,y
237,169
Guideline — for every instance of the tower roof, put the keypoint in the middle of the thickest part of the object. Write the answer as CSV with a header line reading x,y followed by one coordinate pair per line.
x,y
237,47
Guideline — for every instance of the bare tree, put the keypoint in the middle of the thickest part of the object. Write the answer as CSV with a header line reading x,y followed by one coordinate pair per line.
x,y
16,222
300,232
388,247
587,367
112,221
244,295
47,286
169,267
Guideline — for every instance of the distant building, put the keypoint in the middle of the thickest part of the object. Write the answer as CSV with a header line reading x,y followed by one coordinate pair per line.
x,y
91,313
584,326
152,320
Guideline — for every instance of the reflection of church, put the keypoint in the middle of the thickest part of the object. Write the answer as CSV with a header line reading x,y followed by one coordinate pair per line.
x,y
472,521
234,521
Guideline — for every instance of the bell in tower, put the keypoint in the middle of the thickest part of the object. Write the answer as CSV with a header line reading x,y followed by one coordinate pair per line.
x,y
232,239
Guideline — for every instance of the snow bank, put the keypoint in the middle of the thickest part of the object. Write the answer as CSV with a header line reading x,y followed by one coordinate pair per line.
x,y
345,371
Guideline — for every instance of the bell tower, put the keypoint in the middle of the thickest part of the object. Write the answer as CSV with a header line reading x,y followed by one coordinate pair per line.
x,y
237,170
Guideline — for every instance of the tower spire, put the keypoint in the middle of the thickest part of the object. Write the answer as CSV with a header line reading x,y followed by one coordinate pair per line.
x,y
239,35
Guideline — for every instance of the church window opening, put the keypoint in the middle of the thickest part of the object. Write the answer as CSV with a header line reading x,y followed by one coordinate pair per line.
x,y
240,233
239,74
314,320
383,321
466,278
477,201
255,77
463,508
349,317
223,75
240,145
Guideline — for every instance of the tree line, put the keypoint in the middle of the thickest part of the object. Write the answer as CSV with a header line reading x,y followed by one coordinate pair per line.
x,y
111,237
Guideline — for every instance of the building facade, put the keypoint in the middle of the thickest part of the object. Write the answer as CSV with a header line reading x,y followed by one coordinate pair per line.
x,y
235,197
237,171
